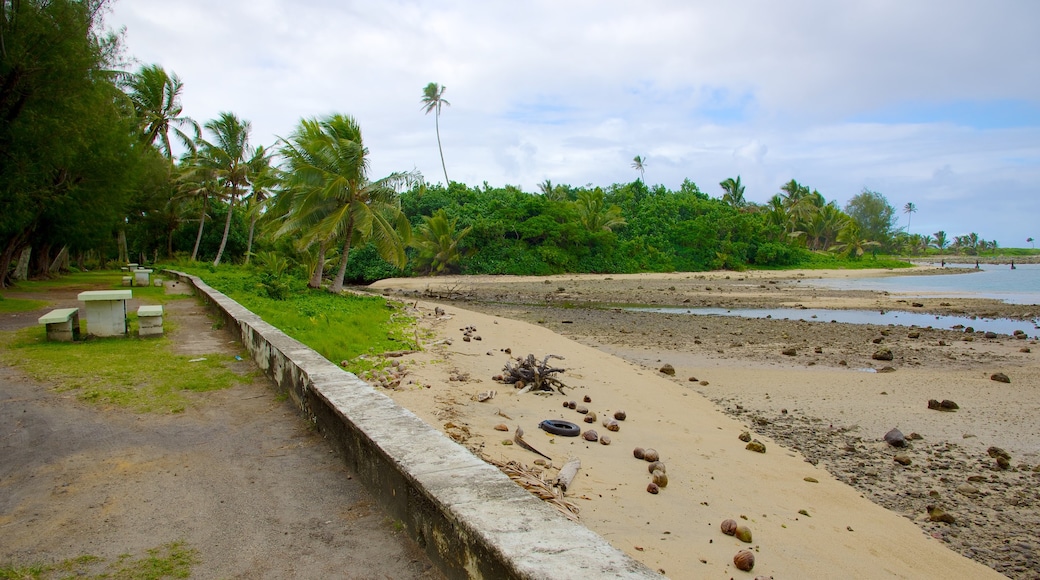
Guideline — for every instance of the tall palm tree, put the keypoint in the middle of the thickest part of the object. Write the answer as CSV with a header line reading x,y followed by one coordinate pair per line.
x,y
156,97
261,179
228,157
432,100
639,164
733,192
1029,241
909,209
940,241
327,164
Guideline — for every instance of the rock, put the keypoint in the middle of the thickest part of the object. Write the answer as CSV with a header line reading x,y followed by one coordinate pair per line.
x,y
937,514
756,446
878,340
811,479
1000,378
1024,349
917,305
948,405
790,351
967,489
883,354
913,334
818,350
501,427
745,437
902,459
886,369
934,404
667,369
895,438
996,452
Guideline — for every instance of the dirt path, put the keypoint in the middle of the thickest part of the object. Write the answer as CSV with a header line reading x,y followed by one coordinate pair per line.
x,y
239,477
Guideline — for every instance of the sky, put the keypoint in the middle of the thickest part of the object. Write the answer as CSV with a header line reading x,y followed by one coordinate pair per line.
x,y
930,102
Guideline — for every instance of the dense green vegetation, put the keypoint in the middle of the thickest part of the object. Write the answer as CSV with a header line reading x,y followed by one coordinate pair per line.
x,y
89,175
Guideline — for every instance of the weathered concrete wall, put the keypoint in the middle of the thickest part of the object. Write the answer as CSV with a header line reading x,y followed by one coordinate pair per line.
x,y
471,520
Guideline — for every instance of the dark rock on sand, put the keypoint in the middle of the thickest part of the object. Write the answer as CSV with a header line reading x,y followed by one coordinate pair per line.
x,y
883,354
1000,378
667,369
895,438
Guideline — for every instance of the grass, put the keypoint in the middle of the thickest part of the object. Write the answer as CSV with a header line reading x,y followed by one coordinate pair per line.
x,y
339,327
12,305
172,560
142,375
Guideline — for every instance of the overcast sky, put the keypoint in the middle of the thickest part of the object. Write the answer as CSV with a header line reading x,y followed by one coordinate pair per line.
x,y
934,102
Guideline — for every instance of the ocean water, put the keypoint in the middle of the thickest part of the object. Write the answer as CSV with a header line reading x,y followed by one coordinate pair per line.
x,y
996,281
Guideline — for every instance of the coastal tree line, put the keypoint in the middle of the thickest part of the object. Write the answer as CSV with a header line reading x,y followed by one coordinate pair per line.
x,y
89,175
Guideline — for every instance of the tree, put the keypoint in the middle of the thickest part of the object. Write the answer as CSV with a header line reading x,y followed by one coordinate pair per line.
x,y
639,164
940,241
909,209
733,192
228,159
327,171
433,99
156,97
872,212
438,242
594,213
1030,242
851,242
261,179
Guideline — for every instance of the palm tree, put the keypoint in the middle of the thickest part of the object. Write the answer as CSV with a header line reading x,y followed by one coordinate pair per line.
x,y
432,100
639,164
909,209
438,243
156,97
851,243
940,241
327,167
228,157
734,192
261,179
1029,241
593,213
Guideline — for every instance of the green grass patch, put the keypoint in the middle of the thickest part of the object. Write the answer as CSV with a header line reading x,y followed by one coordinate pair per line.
x,y
142,375
12,305
97,280
339,327
825,261
173,560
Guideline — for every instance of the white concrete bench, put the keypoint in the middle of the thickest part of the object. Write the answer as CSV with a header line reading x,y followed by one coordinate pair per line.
x,y
149,320
141,276
106,311
62,324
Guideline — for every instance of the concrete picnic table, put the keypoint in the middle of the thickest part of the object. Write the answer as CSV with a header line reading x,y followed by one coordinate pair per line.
x,y
106,311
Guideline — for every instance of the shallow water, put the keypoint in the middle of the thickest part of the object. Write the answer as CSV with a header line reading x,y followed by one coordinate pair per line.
x,y
995,281
920,319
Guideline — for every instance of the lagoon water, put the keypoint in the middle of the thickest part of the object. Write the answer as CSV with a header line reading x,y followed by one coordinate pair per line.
x,y
999,282
996,281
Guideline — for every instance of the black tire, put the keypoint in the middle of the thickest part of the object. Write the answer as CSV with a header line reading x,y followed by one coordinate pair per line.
x,y
559,427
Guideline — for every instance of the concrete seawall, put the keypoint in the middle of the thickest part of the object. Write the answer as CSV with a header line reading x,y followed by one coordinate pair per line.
x,y
471,520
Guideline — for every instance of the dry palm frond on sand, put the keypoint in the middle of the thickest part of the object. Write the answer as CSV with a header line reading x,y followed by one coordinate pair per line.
x,y
529,479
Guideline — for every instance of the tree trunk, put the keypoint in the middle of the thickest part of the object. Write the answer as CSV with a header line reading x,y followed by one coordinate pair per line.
x,y
337,283
319,268
124,254
437,122
202,222
43,260
21,271
60,262
227,228
249,244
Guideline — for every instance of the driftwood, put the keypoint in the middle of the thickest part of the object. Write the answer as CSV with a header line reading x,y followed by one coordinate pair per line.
x,y
567,474
518,438
532,374
531,480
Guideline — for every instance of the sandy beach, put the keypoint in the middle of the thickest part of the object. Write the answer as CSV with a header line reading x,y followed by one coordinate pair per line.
x,y
828,498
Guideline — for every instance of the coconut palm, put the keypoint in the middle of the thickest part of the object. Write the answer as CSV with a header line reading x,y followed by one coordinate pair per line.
x,y
227,156
156,97
851,242
438,241
594,213
432,100
733,192
940,241
327,169
1029,241
261,178
639,164
909,209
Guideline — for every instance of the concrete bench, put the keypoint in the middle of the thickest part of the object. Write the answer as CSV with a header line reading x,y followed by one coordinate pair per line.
x,y
141,276
106,311
149,320
62,324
